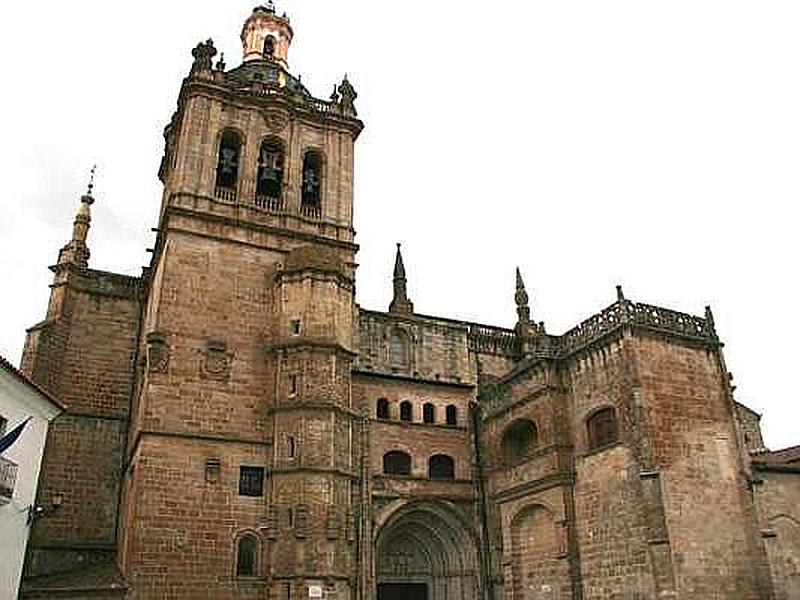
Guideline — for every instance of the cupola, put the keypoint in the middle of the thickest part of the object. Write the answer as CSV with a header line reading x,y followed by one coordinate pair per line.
x,y
265,35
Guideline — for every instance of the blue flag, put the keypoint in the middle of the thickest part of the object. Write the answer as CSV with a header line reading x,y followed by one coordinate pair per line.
x,y
8,439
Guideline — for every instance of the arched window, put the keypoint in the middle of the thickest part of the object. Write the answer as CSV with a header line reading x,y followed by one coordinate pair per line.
x,y
451,415
405,410
398,349
311,193
269,183
246,552
441,466
269,46
382,408
228,165
601,428
519,440
396,463
428,413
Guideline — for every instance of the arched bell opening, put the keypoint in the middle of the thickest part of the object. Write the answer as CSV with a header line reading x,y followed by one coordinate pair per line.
x,y
269,178
269,46
426,551
311,185
227,177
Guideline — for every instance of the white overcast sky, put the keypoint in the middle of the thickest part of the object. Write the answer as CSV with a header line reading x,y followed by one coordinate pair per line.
x,y
651,144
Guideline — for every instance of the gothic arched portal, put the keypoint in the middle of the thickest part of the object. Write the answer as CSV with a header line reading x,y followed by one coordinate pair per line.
x,y
426,551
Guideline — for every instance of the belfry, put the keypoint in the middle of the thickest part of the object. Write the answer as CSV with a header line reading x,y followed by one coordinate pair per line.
x,y
237,426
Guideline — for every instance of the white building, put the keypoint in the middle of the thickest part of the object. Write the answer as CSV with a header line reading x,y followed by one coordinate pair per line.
x,y
20,399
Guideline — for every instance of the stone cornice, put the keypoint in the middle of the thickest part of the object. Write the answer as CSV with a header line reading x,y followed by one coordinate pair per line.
x,y
259,96
174,207
411,379
101,283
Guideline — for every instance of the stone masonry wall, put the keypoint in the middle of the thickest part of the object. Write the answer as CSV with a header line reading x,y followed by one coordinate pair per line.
x,y
185,517
420,440
97,325
214,312
777,498
689,426
437,348
609,515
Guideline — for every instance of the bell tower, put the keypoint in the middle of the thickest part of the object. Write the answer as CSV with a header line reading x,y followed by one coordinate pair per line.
x,y
243,390
254,144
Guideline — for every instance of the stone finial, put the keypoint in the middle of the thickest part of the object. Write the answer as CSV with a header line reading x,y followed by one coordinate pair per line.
x,y
710,320
620,294
526,329
203,55
348,97
400,302
76,252
521,299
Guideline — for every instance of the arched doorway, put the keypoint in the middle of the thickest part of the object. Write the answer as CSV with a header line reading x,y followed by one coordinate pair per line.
x,y
425,551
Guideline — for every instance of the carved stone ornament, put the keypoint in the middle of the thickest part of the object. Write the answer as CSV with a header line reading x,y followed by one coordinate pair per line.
x,y
347,96
301,521
203,55
216,362
275,120
157,352
181,538
350,531
333,523
270,527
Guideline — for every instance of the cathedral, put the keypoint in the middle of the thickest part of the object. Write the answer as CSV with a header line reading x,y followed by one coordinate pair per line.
x,y
236,426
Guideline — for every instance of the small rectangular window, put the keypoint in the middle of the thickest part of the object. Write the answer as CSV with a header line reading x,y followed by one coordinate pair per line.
x,y
251,481
294,326
293,385
291,446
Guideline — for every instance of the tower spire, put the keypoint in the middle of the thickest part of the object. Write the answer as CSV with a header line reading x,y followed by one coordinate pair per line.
x,y
400,302
527,331
521,298
76,252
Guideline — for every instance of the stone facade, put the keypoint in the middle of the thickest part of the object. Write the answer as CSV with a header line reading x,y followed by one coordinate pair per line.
x,y
238,427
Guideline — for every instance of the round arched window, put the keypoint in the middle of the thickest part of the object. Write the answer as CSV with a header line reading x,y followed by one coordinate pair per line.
x,y
441,466
396,463
519,441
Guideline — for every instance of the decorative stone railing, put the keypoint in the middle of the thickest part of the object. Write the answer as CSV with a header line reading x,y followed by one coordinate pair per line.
x,y
486,339
496,340
270,89
270,203
8,478
311,211
625,312
322,106
225,193
493,340
593,328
